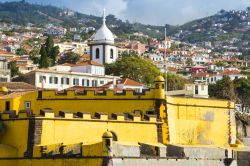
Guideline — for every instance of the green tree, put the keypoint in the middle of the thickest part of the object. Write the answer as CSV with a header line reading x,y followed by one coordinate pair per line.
x,y
21,51
34,55
220,64
14,70
173,47
223,89
51,51
135,68
49,44
242,89
189,62
44,61
53,54
69,57
174,82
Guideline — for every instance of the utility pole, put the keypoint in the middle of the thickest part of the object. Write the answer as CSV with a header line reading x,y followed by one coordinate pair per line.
x,y
165,67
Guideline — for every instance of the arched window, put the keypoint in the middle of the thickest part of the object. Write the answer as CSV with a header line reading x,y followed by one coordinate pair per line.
x,y
111,53
97,53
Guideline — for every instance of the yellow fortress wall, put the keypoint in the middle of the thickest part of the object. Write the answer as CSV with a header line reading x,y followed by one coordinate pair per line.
x,y
187,121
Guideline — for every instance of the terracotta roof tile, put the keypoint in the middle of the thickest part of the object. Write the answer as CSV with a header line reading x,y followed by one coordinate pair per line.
x,y
84,63
17,86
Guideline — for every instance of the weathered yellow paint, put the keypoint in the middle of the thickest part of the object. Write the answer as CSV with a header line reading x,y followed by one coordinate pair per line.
x,y
88,132
199,121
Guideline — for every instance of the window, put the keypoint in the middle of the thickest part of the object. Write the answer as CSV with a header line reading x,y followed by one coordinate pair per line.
x,y
94,83
65,80
27,104
75,81
97,53
111,53
62,80
2,79
87,82
156,86
55,80
101,82
196,89
50,80
41,78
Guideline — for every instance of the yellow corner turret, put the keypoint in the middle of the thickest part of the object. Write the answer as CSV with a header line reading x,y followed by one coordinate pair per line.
x,y
4,89
107,134
159,87
107,141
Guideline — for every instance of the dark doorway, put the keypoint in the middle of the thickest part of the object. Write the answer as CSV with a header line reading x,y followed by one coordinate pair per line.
x,y
7,106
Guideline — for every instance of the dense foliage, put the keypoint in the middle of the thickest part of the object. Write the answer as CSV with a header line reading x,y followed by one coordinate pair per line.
x,y
48,53
14,70
175,82
237,90
223,89
134,67
69,57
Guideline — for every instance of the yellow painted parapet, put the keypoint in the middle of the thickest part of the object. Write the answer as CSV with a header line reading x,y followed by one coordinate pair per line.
x,y
67,115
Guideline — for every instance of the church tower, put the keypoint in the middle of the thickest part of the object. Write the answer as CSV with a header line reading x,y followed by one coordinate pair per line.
x,y
102,48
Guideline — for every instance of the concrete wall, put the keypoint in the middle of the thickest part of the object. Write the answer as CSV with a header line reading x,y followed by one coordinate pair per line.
x,y
171,162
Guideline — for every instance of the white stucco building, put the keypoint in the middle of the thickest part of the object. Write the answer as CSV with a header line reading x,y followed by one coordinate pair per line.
x,y
52,79
87,74
102,47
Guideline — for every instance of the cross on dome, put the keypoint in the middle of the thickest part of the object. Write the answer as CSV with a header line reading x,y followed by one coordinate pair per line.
x,y
104,16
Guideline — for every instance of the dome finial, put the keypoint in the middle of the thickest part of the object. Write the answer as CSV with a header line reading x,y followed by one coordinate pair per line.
x,y
104,16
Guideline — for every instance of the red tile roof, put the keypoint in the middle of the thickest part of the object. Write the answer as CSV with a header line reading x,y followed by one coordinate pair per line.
x,y
13,86
85,63
129,82
228,72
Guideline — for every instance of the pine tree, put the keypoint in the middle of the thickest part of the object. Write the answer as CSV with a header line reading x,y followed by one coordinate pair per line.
x,y
54,53
44,61
49,44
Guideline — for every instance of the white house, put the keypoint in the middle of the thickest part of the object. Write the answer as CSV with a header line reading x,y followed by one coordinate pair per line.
x,y
200,59
155,57
52,79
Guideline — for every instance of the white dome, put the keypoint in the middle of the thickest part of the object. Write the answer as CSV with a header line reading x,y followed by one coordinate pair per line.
x,y
104,35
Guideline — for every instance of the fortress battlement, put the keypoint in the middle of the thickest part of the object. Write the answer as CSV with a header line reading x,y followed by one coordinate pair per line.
x,y
83,94
67,115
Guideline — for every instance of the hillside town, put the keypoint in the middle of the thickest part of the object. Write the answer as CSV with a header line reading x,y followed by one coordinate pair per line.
x,y
197,63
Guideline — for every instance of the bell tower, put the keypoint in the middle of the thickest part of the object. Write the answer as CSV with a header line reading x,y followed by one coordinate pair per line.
x,y
102,48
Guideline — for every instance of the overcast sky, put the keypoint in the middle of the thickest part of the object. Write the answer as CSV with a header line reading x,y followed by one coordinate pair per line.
x,y
156,12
